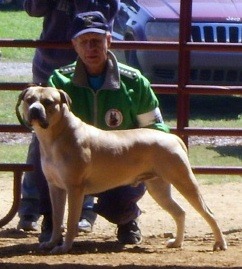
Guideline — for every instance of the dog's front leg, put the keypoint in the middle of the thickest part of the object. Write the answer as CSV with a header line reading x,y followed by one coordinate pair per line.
x,y
75,200
58,200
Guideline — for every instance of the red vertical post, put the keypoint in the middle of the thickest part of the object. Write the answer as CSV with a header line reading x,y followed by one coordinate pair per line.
x,y
183,102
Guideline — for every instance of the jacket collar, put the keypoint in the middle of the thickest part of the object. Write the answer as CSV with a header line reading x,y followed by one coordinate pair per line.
x,y
112,76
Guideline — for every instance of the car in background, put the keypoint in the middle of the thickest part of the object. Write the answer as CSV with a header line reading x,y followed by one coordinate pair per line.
x,y
16,3
158,20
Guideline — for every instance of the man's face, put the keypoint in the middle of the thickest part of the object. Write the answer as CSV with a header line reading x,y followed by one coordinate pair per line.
x,y
92,49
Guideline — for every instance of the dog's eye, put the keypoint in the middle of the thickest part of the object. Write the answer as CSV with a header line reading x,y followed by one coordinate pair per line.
x,y
48,102
30,100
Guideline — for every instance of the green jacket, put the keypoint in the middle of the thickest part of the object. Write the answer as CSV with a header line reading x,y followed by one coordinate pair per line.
x,y
124,101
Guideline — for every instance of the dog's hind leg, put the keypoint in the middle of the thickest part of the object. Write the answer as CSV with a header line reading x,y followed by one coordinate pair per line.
x,y
187,185
161,192
192,194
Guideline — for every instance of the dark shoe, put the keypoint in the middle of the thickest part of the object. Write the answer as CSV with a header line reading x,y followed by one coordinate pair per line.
x,y
27,223
46,229
129,233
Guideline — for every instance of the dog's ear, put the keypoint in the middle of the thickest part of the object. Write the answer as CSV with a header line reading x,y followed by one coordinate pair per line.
x,y
20,98
22,94
65,98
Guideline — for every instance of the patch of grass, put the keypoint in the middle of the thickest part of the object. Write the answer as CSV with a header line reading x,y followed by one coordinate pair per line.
x,y
206,111
13,153
16,153
218,179
215,155
18,25
204,155
7,107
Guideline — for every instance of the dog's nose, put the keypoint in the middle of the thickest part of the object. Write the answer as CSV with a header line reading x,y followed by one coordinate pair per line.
x,y
37,113
34,113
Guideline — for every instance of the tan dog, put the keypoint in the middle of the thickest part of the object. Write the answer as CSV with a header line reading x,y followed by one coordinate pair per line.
x,y
79,159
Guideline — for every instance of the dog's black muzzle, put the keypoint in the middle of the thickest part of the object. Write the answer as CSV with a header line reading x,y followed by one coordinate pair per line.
x,y
37,114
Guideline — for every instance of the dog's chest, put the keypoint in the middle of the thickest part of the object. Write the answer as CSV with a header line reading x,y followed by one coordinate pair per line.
x,y
53,172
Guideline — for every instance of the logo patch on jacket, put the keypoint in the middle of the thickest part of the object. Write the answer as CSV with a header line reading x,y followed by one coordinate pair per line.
x,y
113,118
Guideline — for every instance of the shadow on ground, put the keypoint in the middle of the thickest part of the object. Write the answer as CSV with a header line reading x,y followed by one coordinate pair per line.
x,y
75,266
231,151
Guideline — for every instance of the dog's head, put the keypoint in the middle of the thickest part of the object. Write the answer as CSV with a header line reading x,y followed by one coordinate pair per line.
x,y
43,106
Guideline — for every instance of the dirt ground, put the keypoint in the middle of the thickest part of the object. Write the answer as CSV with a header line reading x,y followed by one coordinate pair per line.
x,y
100,249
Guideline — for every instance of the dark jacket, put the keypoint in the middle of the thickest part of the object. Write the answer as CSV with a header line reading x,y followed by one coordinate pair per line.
x,y
57,19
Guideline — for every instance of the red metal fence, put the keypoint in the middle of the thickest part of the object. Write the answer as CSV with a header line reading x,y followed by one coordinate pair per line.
x,y
183,91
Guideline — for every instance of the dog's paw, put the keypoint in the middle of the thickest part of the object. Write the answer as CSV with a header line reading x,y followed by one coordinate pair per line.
x,y
47,245
51,244
173,243
58,250
220,245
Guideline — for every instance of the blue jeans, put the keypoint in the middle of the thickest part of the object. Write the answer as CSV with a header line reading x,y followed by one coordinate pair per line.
x,y
118,205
